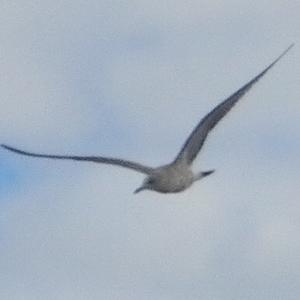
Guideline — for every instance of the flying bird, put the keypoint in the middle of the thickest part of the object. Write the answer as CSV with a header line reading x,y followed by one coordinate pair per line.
x,y
176,176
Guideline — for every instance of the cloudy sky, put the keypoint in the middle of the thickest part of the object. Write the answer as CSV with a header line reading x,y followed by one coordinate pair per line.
x,y
131,79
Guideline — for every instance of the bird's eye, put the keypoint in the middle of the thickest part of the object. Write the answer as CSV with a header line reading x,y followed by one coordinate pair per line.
x,y
150,181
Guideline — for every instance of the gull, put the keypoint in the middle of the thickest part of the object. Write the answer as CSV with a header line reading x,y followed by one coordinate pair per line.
x,y
176,176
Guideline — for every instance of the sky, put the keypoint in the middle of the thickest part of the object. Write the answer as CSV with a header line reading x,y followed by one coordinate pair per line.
x,y
130,79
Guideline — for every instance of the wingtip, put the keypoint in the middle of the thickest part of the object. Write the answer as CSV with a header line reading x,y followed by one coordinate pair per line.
x,y
6,147
285,52
290,46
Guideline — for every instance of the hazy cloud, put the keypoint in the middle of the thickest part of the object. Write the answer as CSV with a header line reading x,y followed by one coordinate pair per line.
x,y
131,79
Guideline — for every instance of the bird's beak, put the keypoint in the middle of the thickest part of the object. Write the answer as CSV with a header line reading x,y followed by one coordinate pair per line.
x,y
139,189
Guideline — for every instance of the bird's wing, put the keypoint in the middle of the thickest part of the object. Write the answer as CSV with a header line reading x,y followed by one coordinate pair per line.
x,y
195,141
97,159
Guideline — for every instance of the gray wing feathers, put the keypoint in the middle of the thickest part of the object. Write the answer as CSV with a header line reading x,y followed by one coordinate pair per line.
x,y
198,136
97,159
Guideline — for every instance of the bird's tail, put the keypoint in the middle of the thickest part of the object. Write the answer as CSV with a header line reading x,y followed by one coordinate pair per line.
x,y
203,174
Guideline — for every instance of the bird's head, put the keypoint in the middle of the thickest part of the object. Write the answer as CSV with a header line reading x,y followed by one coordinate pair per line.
x,y
148,184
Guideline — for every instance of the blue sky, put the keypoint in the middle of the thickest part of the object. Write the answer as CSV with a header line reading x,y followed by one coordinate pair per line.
x,y
131,79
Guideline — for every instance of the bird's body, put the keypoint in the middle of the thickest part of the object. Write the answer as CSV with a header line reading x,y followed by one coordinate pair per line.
x,y
172,178
176,176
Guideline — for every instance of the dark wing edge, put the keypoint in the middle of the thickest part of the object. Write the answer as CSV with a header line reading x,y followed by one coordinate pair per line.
x,y
195,141
97,159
